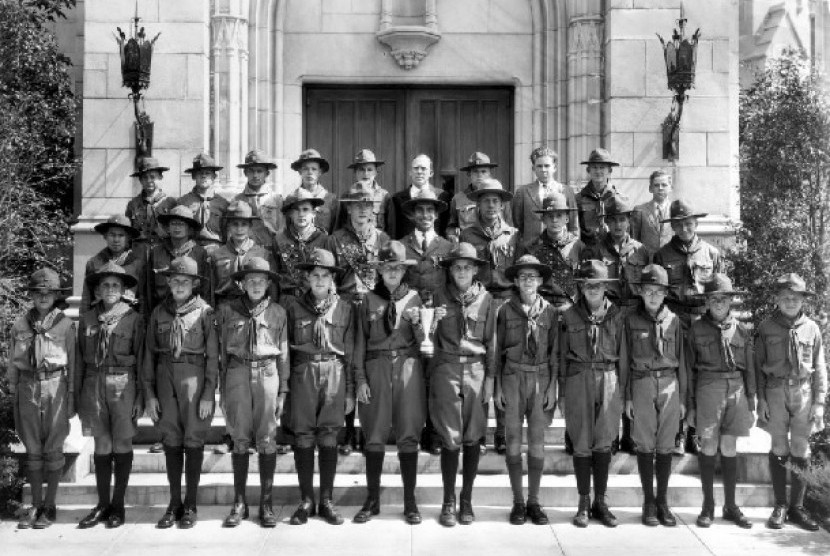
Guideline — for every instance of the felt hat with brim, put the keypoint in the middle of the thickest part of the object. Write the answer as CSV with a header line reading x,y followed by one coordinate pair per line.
x,y
203,161
491,187
239,210
618,205
255,265
258,158
720,284
46,280
112,269
148,164
555,202
593,271
793,282
117,221
394,254
681,210
365,156
528,262
180,212
425,195
301,195
310,155
462,252
478,160
181,266
600,156
320,258
653,275
360,192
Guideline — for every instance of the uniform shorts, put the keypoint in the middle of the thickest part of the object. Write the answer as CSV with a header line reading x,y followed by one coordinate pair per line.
x,y
250,404
179,388
456,403
593,405
41,419
722,408
656,419
524,398
106,406
789,410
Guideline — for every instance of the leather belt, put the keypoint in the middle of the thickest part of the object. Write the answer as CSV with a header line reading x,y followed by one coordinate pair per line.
x,y
313,357
574,368
656,373
191,358
725,375
775,381
44,374
463,359
378,353
114,369
254,363
527,367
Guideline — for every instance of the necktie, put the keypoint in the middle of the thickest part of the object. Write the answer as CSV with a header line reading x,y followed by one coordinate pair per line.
x,y
424,244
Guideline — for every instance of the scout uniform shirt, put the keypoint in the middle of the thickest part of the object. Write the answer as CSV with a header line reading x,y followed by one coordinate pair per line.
x,y
180,368
381,200
688,268
110,345
160,258
624,263
325,215
229,259
356,255
428,275
497,246
267,206
530,197
562,256
131,262
143,213
208,211
591,209
42,366
289,251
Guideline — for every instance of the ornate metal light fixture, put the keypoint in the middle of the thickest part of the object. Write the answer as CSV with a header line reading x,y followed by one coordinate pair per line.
x,y
681,57
136,57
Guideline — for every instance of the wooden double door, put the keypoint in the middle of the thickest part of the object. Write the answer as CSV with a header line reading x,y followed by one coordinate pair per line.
x,y
397,123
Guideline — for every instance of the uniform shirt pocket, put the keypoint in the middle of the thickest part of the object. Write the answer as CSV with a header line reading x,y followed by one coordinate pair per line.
x,y
22,341
302,331
776,348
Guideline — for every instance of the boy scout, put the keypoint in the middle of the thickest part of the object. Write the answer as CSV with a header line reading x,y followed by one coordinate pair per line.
x,y
207,207
41,382
390,382
529,199
180,227
586,364
118,235
462,375
648,220
253,383
590,201
311,165
321,335
179,372
721,394
792,384
690,262
109,399
525,331
265,204
425,246
463,212
653,380
364,168
144,208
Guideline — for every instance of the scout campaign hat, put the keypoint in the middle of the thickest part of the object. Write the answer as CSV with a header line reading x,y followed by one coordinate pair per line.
x,y
117,221
653,275
365,156
320,258
720,284
394,253
360,192
301,195
478,160
256,265
490,186
310,155
257,158
618,204
681,210
148,164
794,282
424,196
112,269
46,280
600,156
181,266
203,161
555,202
180,212
462,251
528,261
239,210
592,271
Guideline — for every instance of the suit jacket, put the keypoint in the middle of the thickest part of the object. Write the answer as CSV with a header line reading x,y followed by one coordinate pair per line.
x,y
646,227
428,275
530,224
403,225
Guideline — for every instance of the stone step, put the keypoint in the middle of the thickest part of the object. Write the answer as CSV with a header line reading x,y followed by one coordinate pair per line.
x,y
350,490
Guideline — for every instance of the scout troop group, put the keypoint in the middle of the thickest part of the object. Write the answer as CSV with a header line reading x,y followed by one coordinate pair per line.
x,y
299,309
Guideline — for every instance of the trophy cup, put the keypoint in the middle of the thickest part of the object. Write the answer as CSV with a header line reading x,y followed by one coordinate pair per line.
x,y
427,315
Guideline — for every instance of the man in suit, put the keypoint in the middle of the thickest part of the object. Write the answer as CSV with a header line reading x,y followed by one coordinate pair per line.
x,y
528,200
646,220
420,172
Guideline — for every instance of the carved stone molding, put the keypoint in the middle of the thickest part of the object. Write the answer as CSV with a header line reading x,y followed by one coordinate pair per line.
x,y
409,43
229,35
585,35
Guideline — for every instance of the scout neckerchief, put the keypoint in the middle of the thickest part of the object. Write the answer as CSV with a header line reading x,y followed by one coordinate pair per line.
x,y
254,198
662,314
107,321
563,240
300,237
121,259
40,326
250,310
390,314
241,252
180,251
499,237
531,314
684,248
177,330
150,204
723,327
594,321
360,256
203,214
465,300
792,339
320,310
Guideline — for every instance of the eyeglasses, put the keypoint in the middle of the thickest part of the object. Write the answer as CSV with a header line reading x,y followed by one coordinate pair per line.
x,y
528,277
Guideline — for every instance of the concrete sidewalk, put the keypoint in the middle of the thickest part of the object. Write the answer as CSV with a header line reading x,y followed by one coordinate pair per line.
x,y
388,534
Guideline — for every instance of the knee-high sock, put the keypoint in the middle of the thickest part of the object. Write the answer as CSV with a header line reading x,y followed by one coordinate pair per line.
x,y
535,467
600,462
729,468
469,471
409,474
327,460
582,470
267,465
35,475
240,476
663,472
798,486
192,474
174,461
123,467
53,477
374,468
778,474
103,478
449,472
514,471
645,466
304,462
707,478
